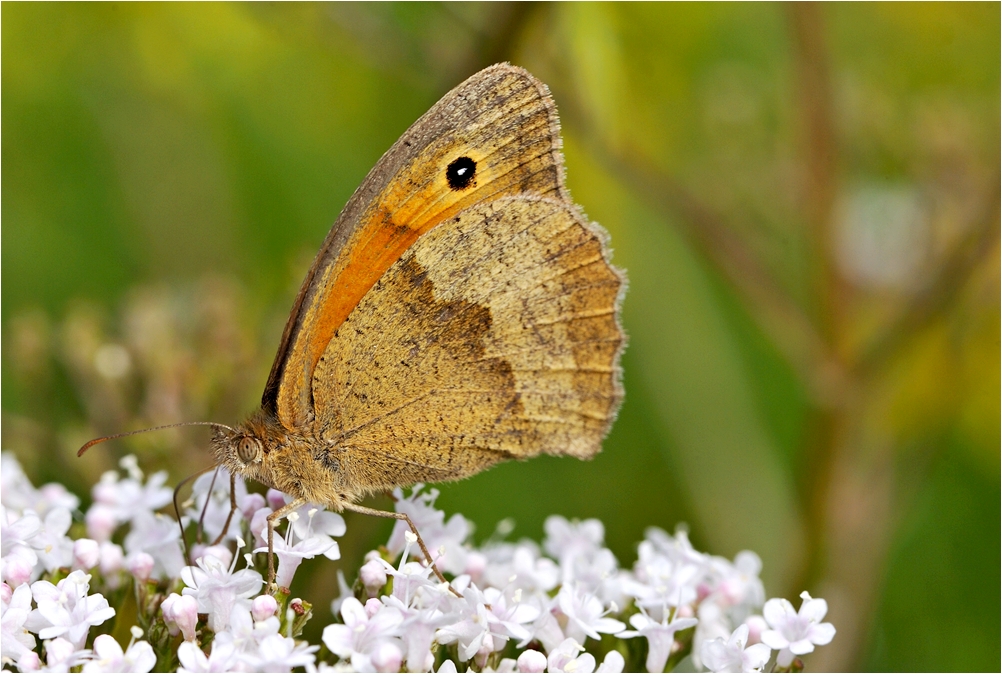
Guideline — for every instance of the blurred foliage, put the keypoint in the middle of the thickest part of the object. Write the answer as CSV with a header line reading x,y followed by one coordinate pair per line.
x,y
805,198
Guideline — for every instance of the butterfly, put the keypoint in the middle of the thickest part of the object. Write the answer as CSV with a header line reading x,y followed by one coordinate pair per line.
x,y
461,312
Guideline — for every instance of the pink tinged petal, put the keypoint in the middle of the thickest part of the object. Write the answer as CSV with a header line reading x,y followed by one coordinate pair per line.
x,y
774,640
755,657
142,657
801,647
813,610
338,638
778,612
716,656
192,658
106,647
614,663
353,613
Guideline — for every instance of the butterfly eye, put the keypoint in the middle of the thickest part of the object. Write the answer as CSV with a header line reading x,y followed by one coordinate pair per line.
x,y
461,172
248,449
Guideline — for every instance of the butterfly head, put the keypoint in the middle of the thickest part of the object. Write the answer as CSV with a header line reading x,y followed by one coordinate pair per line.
x,y
262,450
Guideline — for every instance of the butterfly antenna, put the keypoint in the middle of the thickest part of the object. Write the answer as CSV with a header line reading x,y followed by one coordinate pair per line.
x,y
205,506
97,441
177,508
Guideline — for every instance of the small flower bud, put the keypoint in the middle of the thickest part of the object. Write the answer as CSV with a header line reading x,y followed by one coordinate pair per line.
x,y
86,553
297,606
167,609
112,559
101,522
373,576
141,565
531,662
372,607
276,499
29,662
220,552
185,613
756,625
18,569
476,564
387,657
251,504
263,607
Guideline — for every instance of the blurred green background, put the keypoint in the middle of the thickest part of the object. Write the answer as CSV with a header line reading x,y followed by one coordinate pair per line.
x,y
805,197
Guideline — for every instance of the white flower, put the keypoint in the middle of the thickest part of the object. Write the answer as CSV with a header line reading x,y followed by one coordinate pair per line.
x,y
280,654
486,622
54,547
17,542
291,552
660,636
61,655
128,498
437,533
662,581
736,587
66,609
570,539
520,566
16,640
733,655
567,657
160,537
218,588
796,633
361,637
17,492
585,615
109,657
418,631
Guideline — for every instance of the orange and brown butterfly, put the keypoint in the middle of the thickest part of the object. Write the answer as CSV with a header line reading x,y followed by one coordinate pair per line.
x,y
461,312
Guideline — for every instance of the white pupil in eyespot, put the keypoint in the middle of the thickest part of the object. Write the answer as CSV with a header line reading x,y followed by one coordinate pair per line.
x,y
461,171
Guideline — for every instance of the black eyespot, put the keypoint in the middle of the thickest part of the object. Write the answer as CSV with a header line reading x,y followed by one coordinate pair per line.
x,y
461,172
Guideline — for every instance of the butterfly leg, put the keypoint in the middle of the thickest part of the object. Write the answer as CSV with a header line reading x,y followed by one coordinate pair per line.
x,y
402,516
233,509
273,520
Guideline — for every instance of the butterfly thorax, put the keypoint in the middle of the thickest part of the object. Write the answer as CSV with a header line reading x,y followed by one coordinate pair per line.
x,y
295,462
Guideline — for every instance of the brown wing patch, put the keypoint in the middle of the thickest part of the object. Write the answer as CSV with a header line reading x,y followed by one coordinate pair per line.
x,y
503,122
494,336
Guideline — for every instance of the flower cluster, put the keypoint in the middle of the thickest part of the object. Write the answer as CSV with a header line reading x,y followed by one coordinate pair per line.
x,y
565,606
